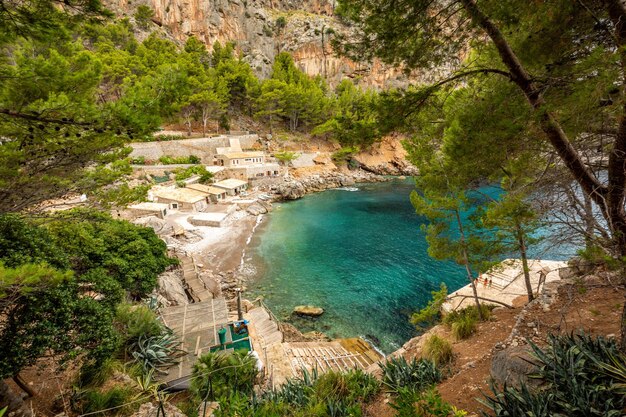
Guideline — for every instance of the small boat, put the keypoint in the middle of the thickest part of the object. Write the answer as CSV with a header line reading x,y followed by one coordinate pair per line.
x,y
347,188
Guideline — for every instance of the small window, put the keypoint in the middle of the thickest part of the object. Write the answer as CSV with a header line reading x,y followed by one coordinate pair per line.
x,y
174,206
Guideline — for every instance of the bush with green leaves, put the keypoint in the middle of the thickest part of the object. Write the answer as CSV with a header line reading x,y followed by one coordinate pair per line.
x,y
577,371
216,374
464,322
431,314
185,173
429,403
116,400
172,160
328,394
136,320
416,375
438,350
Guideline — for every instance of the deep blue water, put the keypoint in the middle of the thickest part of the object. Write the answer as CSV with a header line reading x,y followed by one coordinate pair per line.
x,y
358,254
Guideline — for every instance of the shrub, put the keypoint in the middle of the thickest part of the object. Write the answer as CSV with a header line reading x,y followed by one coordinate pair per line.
x,y
95,374
170,160
471,311
574,368
183,174
464,327
135,320
430,314
143,15
329,394
425,404
216,374
92,401
349,387
438,350
464,322
415,375
344,154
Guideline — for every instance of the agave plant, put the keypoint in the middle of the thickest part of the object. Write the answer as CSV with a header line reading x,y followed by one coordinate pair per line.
x,y
583,375
155,353
415,375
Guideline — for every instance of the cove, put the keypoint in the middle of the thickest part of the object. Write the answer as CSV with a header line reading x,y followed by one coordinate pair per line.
x,y
359,253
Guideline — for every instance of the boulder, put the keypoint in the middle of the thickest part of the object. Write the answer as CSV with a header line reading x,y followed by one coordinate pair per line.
x,y
514,365
309,311
170,286
292,191
255,209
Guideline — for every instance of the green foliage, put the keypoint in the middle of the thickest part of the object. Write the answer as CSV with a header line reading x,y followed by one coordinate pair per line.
x,y
95,375
170,160
464,322
329,394
344,154
431,314
464,327
143,15
135,320
429,403
185,173
469,311
156,353
65,280
281,22
574,369
216,374
112,254
47,312
93,400
355,121
415,375
438,350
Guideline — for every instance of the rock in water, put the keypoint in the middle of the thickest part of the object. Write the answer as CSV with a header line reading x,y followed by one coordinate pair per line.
x,y
309,311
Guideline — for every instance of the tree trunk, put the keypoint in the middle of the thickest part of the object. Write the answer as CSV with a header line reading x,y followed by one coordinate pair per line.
x,y
467,267
23,385
616,193
522,250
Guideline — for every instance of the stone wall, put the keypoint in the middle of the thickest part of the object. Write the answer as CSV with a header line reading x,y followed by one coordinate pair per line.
x,y
204,148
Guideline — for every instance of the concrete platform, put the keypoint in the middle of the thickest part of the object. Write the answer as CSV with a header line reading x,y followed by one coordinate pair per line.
x,y
507,283
208,219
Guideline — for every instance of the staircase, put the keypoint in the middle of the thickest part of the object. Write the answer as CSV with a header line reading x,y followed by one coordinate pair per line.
x,y
196,287
267,329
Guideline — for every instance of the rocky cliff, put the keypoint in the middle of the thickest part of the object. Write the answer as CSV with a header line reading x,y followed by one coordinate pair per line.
x,y
263,28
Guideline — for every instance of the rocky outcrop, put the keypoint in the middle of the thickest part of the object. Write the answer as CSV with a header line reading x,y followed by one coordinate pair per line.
x,y
308,311
388,157
305,30
513,366
170,287
293,189
259,207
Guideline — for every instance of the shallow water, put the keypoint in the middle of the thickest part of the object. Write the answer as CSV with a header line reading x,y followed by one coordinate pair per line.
x,y
359,254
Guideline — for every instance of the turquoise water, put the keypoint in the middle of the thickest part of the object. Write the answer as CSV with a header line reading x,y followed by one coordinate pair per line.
x,y
358,254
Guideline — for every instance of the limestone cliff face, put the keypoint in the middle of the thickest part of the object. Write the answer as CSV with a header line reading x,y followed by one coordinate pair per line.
x,y
309,26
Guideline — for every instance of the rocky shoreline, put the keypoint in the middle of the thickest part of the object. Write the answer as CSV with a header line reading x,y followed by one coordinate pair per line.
x,y
295,188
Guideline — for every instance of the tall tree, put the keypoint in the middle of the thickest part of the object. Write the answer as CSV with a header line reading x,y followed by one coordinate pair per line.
x,y
546,50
